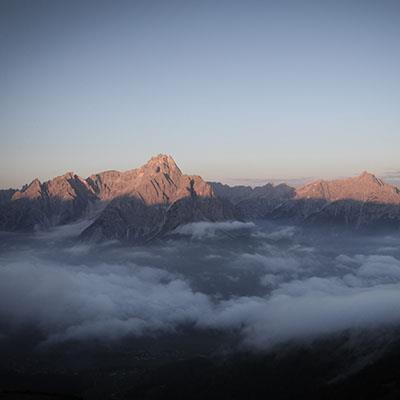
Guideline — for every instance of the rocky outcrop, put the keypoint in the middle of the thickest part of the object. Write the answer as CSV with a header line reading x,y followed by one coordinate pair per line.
x,y
254,203
151,201
138,204
360,202
158,181
135,201
365,188
41,205
234,194
6,195
198,208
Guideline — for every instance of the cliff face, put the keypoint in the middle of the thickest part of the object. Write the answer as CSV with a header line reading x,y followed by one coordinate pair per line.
x,y
363,201
365,188
254,203
42,205
159,181
139,204
151,201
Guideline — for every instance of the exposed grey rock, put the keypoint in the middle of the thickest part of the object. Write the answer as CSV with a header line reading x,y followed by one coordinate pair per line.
x,y
6,195
198,208
37,206
151,201
254,203
365,188
159,181
137,202
232,193
148,202
361,202
357,214
127,219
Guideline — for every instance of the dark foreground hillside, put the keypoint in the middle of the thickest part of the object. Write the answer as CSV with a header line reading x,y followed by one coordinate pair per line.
x,y
327,370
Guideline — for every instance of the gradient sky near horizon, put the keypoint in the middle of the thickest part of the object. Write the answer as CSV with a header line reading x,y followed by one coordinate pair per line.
x,y
231,89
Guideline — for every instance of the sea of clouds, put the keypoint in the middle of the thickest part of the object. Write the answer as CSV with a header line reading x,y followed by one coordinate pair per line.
x,y
268,284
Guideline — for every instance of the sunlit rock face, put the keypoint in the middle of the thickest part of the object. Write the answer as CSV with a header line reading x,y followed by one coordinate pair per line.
x,y
41,205
137,205
151,201
360,202
158,181
365,187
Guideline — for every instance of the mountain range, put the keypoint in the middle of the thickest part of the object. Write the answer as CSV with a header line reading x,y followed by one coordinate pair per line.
x,y
151,201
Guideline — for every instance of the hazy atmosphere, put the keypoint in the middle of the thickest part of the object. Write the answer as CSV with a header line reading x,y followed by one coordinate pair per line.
x,y
266,89
269,284
199,200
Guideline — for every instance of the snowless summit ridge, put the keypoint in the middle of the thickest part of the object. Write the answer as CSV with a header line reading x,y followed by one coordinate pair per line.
x,y
149,201
162,163
364,187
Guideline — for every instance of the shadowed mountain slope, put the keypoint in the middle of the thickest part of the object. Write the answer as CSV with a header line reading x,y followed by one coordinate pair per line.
x,y
135,205
254,203
6,195
360,202
158,181
148,202
59,201
152,201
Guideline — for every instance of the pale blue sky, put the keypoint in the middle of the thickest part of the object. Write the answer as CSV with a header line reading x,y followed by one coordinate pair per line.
x,y
231,89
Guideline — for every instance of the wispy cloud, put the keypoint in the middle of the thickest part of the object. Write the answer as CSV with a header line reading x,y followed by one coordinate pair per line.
x,y
266,290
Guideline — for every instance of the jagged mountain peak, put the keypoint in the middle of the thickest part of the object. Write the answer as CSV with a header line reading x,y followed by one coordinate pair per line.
x,y
68,175
152,200
162,157
31,191
159,181
157,196
162,163
364,187
366,174
370,178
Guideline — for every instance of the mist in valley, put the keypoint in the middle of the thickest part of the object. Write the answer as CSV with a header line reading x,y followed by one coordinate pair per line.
x,y
209,290
269,284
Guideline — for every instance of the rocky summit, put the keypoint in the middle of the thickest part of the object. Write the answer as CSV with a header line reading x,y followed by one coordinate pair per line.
x,y
59,201
364,201
153,200
135,205
365,188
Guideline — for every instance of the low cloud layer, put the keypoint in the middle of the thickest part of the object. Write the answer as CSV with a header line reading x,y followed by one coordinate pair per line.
x,y
108,302
270,286
200,230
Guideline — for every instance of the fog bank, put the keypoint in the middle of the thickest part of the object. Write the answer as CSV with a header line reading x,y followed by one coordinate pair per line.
x,y
267,284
